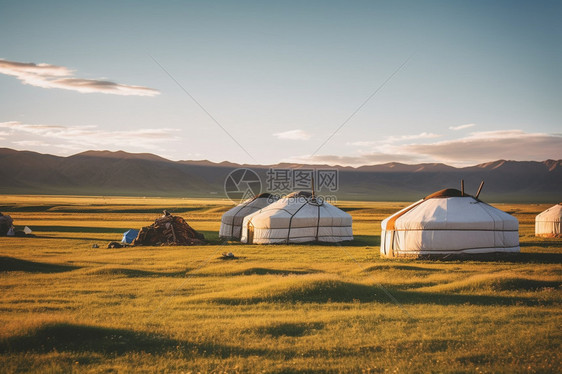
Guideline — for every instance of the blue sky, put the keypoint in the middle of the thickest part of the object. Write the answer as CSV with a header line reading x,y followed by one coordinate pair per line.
x,y
481,80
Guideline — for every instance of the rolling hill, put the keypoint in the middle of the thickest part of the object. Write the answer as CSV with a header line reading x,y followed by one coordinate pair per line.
x,y
144,174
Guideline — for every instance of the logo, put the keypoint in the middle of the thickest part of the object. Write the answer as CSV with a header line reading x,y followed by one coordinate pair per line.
x,y
242,184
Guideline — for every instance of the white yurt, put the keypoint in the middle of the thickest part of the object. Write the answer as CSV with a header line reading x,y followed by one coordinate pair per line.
x,y
231,221
297,218
449,222
547,223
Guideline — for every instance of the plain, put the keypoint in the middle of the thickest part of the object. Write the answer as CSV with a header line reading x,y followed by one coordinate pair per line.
x,y
69,307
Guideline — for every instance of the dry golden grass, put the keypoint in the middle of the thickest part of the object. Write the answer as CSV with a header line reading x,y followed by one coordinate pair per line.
x,y
66,306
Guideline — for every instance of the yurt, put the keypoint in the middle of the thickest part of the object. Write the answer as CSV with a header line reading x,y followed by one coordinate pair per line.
x,y
231,221
547,223
297,218
449,222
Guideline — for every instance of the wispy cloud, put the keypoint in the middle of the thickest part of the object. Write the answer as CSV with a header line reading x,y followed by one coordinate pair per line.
x,y
423,135
53,76
84,137
293,135
364,143
394,139
31,143
461,127
493,145
475,148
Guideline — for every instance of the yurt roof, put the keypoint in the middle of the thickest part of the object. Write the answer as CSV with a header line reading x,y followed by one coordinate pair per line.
x,y
264,195
447,192
552,214
290,205
249,204
450,209
306,194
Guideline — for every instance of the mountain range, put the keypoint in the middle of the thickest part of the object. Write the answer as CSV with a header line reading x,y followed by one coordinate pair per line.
x,y
145,174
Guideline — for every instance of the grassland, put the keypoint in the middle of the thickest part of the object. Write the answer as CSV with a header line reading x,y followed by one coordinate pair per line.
x,y
68,307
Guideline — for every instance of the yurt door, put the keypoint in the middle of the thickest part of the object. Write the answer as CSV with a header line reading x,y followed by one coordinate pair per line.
x,y
250,233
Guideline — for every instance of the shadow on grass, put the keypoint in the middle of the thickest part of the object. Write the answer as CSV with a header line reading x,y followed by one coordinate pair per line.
x,y
101,209
539,258
358,241
158,211
522,284
290,329
364,241
269,271
25,208
541,243
70,337
135,273
15,264
67,337
212,237
101,241
107,230
347,292
400,267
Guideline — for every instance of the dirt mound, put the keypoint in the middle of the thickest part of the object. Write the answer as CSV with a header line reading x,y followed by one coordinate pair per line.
x,y
169,230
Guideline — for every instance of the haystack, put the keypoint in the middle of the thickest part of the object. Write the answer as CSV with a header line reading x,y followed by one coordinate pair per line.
x,y
169,230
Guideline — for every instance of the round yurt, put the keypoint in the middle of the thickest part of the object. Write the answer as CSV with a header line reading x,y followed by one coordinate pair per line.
x,y
231,221
297,218
547,223
449,222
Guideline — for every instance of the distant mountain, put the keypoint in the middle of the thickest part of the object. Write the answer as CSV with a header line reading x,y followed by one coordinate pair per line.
x,y
144,174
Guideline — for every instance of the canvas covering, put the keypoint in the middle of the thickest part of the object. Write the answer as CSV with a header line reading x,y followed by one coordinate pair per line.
x,y
449,225
231,221
547,223
297,219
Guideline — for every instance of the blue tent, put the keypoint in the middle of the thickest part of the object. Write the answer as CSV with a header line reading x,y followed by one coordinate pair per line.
x,y
129,236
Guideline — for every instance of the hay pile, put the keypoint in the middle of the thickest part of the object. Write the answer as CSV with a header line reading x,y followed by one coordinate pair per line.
x,y
169,230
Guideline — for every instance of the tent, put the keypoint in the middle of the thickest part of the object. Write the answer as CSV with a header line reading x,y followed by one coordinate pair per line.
x,y
297,218
129,236
448,222
547,223
231,221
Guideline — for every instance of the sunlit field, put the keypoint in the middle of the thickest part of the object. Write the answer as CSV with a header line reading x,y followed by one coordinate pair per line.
x,y
67,306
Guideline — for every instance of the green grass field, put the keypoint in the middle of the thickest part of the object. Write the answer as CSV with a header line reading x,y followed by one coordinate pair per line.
x,y
68,307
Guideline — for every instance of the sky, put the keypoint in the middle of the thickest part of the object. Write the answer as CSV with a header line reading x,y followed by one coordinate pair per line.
x,y
261,82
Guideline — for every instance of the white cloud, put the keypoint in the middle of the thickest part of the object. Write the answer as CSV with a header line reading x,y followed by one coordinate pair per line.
x,y
84,137
293,135
394,139
31,143
364,143
461,127
423,135
493,145
53,76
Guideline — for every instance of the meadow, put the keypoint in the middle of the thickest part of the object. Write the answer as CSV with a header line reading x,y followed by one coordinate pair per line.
x,y
69,307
